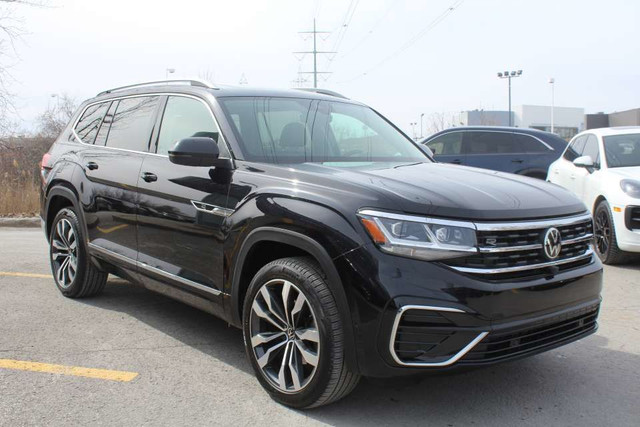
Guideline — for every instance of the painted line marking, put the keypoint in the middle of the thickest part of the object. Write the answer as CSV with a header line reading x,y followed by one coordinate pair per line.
x,y
17,274
102,374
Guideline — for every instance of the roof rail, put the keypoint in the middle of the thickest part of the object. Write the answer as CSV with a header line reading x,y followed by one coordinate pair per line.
x,y
322,91
192,82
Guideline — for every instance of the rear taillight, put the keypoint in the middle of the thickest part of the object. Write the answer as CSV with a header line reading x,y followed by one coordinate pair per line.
x,y
44,163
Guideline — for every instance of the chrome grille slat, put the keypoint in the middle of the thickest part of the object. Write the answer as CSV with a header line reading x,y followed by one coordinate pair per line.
x,y
514,251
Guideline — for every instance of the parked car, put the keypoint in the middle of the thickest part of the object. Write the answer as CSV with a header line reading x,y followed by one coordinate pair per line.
x,y
527,152
602,168
316,226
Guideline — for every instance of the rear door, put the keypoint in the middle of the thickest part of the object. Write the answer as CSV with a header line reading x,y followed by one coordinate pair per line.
x,y
563,172
495,150
537,156
447,148
111,168
183,208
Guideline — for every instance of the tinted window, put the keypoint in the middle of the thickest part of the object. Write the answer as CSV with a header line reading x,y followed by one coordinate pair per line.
x,y
591,149
447,144
491,143
529,144
89,123
290,130
184,117
132,123
622,150
106,124
575,149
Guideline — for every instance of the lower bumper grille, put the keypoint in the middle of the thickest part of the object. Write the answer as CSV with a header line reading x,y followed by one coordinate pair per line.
x,y
509,344
632,217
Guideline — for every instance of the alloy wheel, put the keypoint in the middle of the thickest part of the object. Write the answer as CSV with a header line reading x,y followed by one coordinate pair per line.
x,y
64,253
284,335
602,232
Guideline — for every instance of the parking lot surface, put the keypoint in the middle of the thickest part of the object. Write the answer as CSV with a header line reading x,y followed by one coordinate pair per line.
x,y
151,361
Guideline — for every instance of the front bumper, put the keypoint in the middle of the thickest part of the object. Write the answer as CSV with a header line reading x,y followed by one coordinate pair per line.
x,y
413,316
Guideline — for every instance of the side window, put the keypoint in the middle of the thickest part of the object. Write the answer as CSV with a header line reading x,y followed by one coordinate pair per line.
x,y
184,117
447,144
88,125
101,139
131,125
575,149
529,144
591,149
491,143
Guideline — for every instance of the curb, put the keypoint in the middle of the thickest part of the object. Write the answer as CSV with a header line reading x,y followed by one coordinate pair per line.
x,y
20,222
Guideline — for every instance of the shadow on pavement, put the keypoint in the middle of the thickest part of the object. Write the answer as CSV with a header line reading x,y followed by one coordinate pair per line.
x,y
567,386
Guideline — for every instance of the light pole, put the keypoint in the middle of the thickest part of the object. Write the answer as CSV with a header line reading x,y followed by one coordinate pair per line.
x,y
413,130
421,117
552,82
168,71
509,75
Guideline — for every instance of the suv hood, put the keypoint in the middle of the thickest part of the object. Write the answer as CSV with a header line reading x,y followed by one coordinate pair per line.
x,y
628,172
453,191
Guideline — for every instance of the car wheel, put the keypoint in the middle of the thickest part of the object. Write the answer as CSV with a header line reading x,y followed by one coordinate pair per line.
x,y
293,335
606,244
74,274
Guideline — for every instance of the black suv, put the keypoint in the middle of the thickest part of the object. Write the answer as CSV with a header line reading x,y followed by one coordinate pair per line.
x,y
527,152
320,229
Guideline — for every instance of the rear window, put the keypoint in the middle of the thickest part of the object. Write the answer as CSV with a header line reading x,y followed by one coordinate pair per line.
x,y
131,125
88,125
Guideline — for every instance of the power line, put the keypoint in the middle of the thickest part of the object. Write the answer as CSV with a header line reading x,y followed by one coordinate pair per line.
x,y
315,53
392,4
345,23
412,40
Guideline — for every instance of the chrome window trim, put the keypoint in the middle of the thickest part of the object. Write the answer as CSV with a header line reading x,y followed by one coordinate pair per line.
x,y
453,359
587,254
118,98
489,249
107,252
494,131
526,225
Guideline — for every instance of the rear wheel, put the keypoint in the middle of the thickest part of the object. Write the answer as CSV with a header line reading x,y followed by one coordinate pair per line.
x,y
294,336
74,274
605,236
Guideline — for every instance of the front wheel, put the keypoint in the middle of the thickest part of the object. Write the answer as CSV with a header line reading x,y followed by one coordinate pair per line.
x,y
605,236
293,335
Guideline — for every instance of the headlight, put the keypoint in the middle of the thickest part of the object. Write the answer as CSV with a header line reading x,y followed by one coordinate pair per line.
x,y
419,237
631,187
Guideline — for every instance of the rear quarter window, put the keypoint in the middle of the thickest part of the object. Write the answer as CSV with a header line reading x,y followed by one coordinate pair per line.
x,y
529,144
88,125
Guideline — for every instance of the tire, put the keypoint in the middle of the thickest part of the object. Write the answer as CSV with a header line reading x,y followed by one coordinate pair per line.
x,y
605,234
66,250
326,382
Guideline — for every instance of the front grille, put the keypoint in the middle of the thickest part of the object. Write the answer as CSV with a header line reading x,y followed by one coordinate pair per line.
x,y
515,251
502,345
632,217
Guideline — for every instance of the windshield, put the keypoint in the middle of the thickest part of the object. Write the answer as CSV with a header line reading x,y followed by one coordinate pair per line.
x,y
292,130
622,150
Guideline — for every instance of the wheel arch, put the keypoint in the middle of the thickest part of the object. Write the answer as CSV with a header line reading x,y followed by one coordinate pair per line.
x,y
285,243
61,194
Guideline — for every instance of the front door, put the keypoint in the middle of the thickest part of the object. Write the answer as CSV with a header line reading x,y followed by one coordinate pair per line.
x,y
182,209
447,148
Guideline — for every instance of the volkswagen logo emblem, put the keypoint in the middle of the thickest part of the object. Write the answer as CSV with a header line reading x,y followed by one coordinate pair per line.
x,y
552,243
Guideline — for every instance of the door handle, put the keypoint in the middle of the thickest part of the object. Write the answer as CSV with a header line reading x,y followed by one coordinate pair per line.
x,y
517,161
149,177
456,161
92,166
572,176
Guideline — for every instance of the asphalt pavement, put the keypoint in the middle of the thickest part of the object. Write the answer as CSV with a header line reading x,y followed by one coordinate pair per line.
x,y
131,357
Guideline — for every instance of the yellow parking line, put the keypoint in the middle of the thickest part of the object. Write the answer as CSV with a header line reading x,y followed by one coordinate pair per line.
x,y
103,374
16,274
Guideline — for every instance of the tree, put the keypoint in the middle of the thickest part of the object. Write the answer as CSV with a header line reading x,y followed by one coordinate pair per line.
x,y
53,121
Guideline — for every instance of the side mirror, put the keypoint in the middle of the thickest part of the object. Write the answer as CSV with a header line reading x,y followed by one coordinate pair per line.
x,y
426,150
198,151
584,162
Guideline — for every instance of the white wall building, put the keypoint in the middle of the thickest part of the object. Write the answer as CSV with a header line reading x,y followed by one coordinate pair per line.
x,y
568,121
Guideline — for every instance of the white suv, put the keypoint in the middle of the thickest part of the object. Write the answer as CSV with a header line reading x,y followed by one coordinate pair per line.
x,y
602,167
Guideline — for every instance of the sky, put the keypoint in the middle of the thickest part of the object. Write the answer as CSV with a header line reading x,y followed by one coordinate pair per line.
x,y
404,58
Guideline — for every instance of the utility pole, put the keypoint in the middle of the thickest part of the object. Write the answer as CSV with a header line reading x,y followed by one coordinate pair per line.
x,y
552,82
421,117
509,75
315,53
